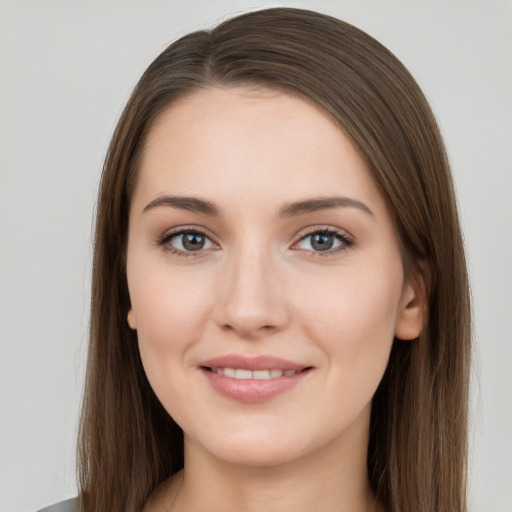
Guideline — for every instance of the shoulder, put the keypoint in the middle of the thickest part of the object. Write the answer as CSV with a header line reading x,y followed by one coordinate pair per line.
x,y
70,505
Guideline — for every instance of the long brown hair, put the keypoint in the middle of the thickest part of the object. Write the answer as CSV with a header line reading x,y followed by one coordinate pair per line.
x,y
417,451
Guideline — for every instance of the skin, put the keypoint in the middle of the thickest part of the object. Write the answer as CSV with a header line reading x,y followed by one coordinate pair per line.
x,y
259,286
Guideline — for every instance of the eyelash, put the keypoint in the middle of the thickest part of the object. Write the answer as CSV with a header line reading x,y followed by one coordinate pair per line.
x,y
164,240
345,241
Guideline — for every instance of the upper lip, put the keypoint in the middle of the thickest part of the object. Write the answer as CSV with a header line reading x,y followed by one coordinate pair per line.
x,y
264,362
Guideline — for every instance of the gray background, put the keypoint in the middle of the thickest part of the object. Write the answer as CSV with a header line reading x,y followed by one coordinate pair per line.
x,y
66,69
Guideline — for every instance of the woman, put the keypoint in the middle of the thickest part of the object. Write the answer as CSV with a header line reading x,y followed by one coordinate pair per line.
x,y
280,311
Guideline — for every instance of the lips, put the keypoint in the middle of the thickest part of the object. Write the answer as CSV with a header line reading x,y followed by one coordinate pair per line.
x,y
252,379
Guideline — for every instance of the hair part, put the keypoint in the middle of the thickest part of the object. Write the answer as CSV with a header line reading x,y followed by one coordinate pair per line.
x,y
417,450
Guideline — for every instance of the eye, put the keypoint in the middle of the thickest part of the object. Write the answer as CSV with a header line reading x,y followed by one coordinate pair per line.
x,y
185,242
324,241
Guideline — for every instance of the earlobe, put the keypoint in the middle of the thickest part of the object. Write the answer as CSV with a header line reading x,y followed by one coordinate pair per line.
x,y
411,315
131,319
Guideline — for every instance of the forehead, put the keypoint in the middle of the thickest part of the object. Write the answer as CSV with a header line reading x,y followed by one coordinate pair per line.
x,y
260,144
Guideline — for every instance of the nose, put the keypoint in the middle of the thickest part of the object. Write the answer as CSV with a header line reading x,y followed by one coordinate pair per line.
x,y
253,302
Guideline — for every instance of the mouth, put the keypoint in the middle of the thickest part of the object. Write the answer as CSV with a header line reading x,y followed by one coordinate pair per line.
x,y
253,379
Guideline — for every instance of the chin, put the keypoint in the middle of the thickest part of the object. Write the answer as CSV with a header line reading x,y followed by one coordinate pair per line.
x,y
251,448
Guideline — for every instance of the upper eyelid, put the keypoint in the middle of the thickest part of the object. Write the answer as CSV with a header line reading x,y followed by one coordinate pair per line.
x,y
180,230
310,230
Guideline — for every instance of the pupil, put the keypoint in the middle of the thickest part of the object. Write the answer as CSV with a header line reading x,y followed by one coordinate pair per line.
x,y
322,242
193,241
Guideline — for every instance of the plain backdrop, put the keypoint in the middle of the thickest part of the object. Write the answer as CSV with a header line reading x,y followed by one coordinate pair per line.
x,y
66,70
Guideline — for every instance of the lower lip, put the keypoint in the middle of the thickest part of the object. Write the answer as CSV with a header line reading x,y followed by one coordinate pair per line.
x,y
252,390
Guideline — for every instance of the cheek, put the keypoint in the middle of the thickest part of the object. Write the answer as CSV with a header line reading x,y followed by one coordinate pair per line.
x,y
170,313
167,301
353,320
169,322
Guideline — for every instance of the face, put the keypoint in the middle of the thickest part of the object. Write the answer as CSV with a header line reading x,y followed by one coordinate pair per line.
x,y
265,276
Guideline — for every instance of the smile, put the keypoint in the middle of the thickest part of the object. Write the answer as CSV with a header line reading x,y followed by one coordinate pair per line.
x,y
244,374
253,379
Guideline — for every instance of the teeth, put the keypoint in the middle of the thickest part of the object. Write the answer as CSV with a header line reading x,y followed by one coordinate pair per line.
x,y
243,374
229,372
262,374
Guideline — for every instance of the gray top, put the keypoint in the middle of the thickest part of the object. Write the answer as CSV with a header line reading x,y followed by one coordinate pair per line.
x,y
70,505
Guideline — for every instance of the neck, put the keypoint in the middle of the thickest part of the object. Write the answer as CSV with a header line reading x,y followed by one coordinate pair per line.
x,y
334,477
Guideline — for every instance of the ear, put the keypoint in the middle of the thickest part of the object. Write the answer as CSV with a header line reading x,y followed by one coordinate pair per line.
x,y
411,315
131,319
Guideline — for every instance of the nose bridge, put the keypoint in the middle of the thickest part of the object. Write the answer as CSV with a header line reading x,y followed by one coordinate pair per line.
x,y
252,301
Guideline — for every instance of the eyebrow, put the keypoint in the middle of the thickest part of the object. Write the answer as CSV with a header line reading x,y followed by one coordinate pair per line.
x,y
194,204
324,203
